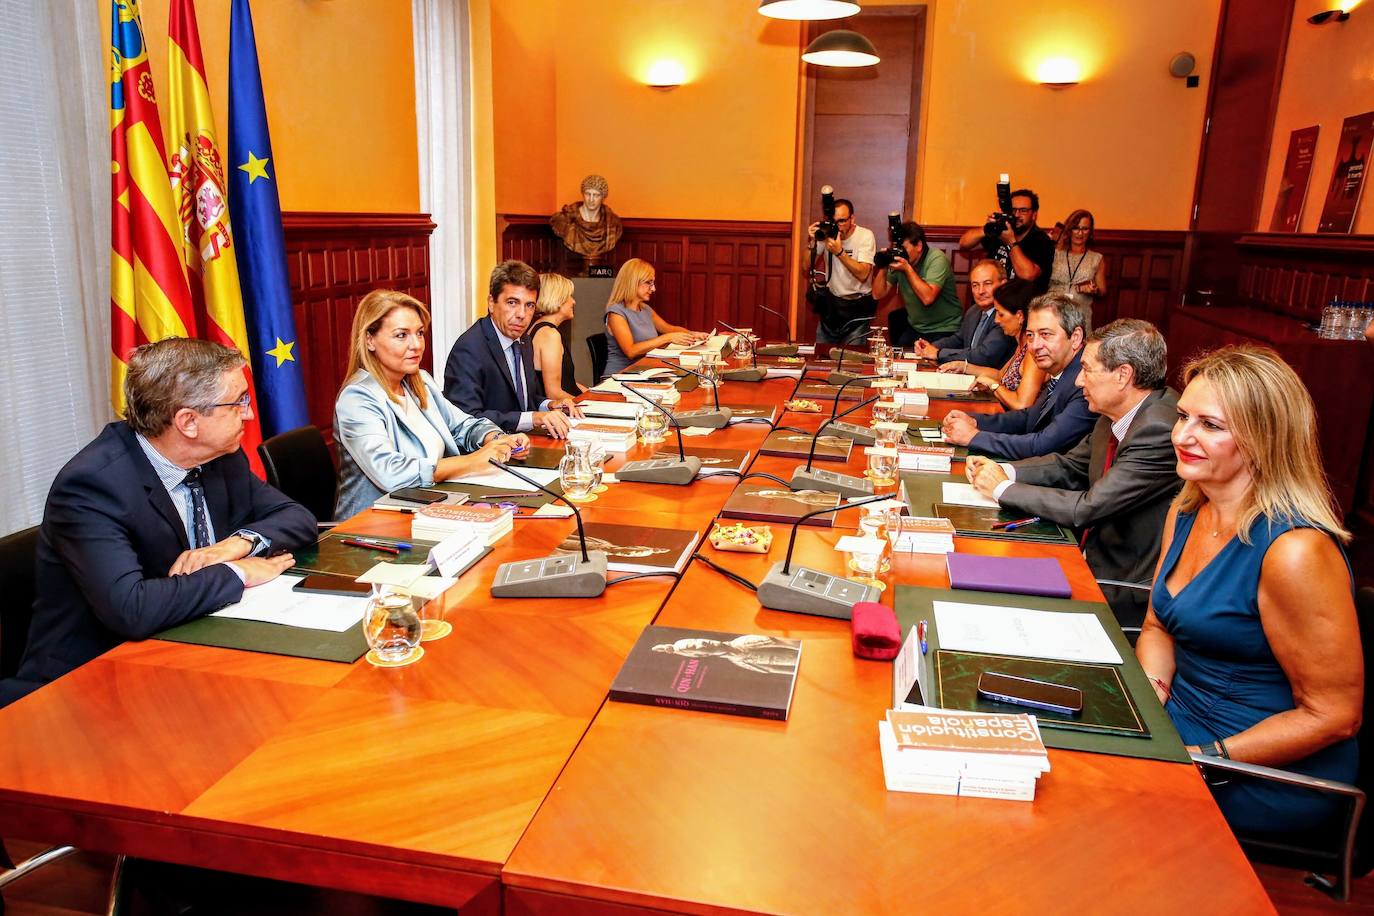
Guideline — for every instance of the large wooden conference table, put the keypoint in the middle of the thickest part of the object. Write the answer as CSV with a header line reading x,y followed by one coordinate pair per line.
x,y
494,775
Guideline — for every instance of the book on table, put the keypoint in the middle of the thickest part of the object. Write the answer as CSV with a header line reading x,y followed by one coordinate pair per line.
x,y
788,443
738,674
331,556
389,503
608,435
487,523
978,522
934,381
635,548
916,534
948,752
820,391
1021,575
618,410
772,502
932,458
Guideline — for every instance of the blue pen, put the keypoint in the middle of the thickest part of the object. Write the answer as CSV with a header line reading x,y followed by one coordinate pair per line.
x,y
1027,521
399,545
921,636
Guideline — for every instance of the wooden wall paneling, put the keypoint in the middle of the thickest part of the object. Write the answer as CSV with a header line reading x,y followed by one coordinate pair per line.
x,y
333,260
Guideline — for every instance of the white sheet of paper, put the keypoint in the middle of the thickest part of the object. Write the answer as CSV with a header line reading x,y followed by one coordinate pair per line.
x,y
964,494
431,587
690,431
397,574
499,479
276,602
940,381
1024,633
931,435
553,510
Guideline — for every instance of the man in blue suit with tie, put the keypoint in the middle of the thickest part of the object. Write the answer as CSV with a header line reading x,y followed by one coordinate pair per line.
x,y
1060,416
490,371
979,341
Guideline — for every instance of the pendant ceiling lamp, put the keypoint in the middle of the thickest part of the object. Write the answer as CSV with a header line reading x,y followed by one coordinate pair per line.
x,y
841,48
808,9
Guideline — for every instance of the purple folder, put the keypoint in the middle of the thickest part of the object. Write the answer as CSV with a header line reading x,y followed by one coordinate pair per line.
x,y
1021,575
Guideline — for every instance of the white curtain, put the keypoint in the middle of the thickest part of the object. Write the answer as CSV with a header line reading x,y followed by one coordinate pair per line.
x,y
54,246
443,128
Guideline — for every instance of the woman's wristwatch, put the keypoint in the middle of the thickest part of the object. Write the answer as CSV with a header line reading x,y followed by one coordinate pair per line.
x,y
994,386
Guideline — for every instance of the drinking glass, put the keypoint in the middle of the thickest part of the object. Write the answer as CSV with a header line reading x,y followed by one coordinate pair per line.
x,y
709,369
894,526
866,560
885,411
596,457
873,523
743,345
882,466
392,627
887,436
575,473
651,426
882,362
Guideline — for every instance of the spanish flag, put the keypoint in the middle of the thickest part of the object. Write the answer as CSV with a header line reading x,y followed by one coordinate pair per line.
x,y
149,296
197,173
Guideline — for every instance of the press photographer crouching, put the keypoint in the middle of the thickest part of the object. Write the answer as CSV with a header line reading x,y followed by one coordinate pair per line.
x,y
924,278
1012,237
844,301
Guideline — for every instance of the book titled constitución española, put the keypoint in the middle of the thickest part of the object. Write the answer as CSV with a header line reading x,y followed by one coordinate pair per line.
x,y
733,673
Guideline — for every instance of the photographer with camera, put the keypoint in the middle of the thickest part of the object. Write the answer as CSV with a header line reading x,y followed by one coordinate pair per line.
x,y
924,278
1011,237
845,302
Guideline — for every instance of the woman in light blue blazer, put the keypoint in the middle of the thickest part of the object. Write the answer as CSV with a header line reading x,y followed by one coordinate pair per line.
x,y
393,424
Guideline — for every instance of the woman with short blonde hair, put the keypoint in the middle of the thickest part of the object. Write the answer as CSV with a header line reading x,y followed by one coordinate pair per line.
x,y
633,328
1251,640
392,422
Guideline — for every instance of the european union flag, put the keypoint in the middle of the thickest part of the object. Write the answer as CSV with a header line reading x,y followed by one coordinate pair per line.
x,y
255,212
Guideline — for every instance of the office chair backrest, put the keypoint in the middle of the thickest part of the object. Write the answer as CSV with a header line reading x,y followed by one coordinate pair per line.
x,y
298,463
18,557
1364,841
596,346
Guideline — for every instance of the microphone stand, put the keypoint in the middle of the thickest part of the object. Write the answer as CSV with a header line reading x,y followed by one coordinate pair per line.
x,y
557,576
788,347
807,478
852,380
810,591
661,470
705,417
745,373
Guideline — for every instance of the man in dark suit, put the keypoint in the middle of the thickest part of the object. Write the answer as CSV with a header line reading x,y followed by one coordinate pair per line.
x,y
159,520
979,340
1060,416
1116,485
490,371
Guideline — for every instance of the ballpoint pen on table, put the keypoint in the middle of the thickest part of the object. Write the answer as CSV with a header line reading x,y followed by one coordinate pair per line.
x,y
1012,526
921,636
386,546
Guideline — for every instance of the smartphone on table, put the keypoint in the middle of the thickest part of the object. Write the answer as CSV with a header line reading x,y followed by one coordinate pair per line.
x,y
1028,692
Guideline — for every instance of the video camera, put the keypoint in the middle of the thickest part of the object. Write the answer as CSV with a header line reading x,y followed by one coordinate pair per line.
x,y
894,250
827,228
1005,219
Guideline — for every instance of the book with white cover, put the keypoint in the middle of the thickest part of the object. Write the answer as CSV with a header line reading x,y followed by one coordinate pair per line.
x,y
940,381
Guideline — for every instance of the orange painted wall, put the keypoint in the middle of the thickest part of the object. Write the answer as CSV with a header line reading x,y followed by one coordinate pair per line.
x,y
719,147
1123,143
1327,77
339,80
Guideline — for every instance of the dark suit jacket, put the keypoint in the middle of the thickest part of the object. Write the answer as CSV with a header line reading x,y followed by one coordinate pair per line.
x,y
1123,511
478,380
993,350
110,534
1054,423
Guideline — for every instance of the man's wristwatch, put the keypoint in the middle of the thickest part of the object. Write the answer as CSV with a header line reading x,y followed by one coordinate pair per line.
x,y
254,541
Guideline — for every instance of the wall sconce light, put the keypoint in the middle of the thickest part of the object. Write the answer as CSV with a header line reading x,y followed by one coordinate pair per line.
x,y
1339,13
808,9
841,48
1058,72
666,74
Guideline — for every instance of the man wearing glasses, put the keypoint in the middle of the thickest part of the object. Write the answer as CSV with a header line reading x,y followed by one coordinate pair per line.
x,y
846,304
1023,248
159,520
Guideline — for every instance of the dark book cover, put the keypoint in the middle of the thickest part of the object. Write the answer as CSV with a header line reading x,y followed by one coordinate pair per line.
x,y
977,522
332,557
1348,174
538,457
789,443
635,548
820,391
713,460
733,673
772,502
1297,173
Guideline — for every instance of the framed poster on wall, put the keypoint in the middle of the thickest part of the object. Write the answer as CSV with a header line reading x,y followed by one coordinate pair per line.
x,y
1347,177
1297,172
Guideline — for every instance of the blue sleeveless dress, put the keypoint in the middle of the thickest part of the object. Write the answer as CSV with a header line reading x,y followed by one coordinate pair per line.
x,y
1227,679
641,329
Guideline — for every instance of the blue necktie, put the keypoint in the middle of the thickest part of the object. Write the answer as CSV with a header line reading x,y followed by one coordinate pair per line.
x,y
518,373
200,528
981,329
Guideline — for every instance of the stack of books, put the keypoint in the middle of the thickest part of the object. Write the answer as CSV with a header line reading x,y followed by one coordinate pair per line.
x,y
947,752
664,393
911,398
924,458
612,435
924,535
486,523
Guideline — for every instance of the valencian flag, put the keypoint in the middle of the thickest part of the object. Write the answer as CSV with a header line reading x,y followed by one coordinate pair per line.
x,y
149,296
261,253
197,173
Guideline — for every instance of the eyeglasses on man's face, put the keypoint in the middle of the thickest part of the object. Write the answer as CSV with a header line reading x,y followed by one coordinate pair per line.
x,y
242,403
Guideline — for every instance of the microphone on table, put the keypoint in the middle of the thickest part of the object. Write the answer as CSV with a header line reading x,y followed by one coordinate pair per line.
x,y
745,373
560,575
839,376
787,348
805,478
705,416
679,472
853,380
810,591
